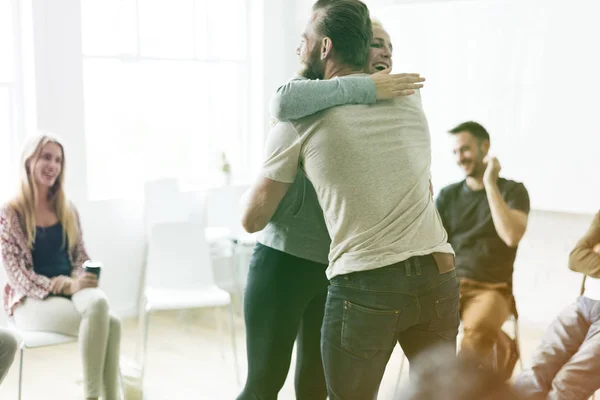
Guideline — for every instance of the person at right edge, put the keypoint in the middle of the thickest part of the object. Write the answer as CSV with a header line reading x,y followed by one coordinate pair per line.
x,y
565,365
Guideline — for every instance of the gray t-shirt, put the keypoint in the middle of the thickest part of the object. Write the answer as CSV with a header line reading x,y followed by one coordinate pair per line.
x,y
370,167
298,227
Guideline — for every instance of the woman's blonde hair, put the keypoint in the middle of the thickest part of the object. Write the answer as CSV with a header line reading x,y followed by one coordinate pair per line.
x,y
25,201
376,22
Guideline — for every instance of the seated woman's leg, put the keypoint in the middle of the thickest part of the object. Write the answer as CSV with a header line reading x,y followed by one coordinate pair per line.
x,y
8,349
54,314
94,334
560,342
85,316
112,384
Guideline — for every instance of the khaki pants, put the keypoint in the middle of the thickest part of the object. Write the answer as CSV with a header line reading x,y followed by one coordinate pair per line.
x,y
8,349
87,316
484,307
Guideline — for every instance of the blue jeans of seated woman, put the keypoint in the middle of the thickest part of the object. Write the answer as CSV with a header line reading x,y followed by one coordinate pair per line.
x,y
368,312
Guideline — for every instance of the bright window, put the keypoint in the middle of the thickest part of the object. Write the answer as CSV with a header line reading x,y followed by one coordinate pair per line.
x,y
165,91
7,98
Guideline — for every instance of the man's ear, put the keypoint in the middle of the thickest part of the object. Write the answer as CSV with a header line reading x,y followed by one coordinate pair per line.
x,y
326,48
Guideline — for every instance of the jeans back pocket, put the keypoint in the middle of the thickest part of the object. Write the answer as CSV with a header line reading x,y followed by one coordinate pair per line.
x,y
447,321
367,331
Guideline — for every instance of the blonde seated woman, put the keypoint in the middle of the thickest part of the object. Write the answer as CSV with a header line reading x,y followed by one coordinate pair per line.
x,y
43,252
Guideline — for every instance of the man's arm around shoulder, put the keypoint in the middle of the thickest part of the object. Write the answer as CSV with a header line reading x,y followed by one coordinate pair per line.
x,y
282,155
260,203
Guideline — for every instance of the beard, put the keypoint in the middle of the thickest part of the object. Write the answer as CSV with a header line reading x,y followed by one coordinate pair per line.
x,y
477,170
312,67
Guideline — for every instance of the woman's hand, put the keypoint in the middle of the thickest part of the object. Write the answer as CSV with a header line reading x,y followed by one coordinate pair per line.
x,y
388,86
59,283
83,281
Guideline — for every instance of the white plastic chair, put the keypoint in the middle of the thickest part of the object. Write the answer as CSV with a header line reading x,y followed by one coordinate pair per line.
x,y
179,276
223,208
158,193
35,339
514,319
29,339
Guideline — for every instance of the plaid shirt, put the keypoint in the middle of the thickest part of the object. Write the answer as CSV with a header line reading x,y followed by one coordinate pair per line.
x,y
18,263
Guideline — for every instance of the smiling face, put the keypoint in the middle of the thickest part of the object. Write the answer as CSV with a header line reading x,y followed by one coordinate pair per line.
x,y
469,153
380,54
47,168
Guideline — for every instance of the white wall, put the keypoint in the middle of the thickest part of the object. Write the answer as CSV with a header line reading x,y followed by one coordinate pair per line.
x,y
497,62
543,283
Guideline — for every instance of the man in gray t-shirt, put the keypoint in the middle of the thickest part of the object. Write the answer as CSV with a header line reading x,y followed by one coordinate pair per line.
x,y
287,286
391,268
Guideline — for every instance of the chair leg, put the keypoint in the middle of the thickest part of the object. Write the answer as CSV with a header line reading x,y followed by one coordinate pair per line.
x,y
234,344
219,322
139,347
147,312
21,372
495,358
518,344
236,273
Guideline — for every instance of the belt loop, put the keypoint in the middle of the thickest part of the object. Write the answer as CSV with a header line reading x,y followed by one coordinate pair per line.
x,y
407,268
417,266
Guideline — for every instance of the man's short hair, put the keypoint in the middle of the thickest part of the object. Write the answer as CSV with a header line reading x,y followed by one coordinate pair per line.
x,y
348,24
474,128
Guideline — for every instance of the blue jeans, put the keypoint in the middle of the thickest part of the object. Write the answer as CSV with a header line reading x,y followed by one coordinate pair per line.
x,y
367,312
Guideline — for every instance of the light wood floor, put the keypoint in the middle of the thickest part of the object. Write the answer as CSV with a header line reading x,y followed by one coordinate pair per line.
x,y
186,360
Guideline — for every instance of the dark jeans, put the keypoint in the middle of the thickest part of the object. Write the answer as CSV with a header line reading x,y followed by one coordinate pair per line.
x,y
368,312
284,301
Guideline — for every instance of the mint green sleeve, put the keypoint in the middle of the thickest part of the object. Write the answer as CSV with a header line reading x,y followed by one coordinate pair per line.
x,y
301,97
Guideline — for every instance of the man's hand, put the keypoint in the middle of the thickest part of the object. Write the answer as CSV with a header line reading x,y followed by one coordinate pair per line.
x,y
596,248
492,170
389,85
85,280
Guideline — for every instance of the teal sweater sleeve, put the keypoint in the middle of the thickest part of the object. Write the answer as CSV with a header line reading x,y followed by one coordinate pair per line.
x,y
301,97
